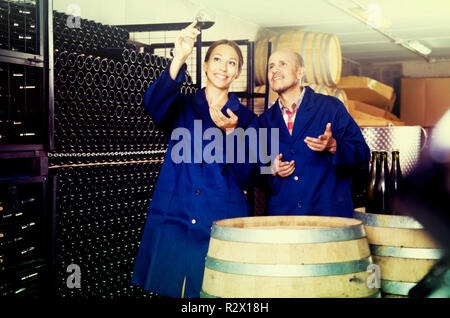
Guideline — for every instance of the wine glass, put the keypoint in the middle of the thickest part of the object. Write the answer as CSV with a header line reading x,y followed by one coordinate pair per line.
x,y
202,17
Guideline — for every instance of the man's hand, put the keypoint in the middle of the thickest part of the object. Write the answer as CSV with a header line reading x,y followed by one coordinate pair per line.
x,y
223,122
323,142
283,169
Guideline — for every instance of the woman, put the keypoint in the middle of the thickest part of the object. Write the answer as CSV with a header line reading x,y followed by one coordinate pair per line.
x,y
191,194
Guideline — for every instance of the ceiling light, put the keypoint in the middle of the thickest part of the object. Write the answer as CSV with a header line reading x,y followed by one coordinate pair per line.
x,y
371,15
416,46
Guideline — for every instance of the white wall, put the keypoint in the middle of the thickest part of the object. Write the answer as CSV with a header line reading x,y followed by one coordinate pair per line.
x,y
424,69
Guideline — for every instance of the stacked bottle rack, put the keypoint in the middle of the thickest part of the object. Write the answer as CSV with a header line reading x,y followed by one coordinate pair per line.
x,y
106,158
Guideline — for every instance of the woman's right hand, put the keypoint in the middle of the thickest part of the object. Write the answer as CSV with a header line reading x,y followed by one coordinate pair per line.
x,y
183,48
185,41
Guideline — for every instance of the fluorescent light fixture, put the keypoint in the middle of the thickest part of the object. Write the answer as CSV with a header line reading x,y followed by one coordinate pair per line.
x,y
372,16
416,46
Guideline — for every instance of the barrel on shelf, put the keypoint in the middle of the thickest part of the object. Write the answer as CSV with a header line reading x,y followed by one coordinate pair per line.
x,y
288,257
401,247
321,53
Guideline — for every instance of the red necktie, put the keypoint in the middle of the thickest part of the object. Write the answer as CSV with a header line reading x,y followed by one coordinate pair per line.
x,y
290,123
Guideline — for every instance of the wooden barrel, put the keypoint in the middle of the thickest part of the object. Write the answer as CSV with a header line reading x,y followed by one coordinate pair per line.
x,y
288,257
321,53
401,247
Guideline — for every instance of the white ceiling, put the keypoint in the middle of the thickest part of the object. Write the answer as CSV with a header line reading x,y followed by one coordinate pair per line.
x,y
426,21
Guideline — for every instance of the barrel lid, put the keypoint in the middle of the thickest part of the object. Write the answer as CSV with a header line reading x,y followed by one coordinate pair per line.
x,y
288,229
383,220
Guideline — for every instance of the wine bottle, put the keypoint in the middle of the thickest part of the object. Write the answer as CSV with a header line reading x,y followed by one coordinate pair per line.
x,y
80,77
396,177
384,187
132,56
371,202
104,80
112,82
104,64
62,76
396,172
118,69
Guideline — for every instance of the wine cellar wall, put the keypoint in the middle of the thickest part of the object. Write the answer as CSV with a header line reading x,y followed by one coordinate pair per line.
x,y
79,154
107,156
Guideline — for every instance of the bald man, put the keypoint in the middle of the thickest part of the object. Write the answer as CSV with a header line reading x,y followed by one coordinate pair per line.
x,y
318,140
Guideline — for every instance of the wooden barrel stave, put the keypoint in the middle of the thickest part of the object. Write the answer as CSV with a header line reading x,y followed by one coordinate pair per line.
x,y
351,285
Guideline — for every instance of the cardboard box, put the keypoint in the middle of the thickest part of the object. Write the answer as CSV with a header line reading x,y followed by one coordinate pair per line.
x,y
367,120
424,100
368,90
373,110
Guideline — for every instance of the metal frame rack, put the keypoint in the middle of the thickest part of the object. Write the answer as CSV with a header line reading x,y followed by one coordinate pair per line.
x,y
25,120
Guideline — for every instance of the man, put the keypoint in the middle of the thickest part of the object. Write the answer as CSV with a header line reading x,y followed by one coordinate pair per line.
x,y
318,140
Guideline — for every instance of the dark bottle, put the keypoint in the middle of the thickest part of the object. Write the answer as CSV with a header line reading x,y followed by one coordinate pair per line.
x,y
72,76
371,202
125,69
81,61
62,76
132,71
63,58
139,71
118,68
125,83
396,172
88,94
96,80
118,83
72,60
88,79
96,64
132,56
384,186
88,62
104,80
147,59
140,57
72,92
104,64
112,67
80,93
395,175
138,85
126,55
80,78
111,81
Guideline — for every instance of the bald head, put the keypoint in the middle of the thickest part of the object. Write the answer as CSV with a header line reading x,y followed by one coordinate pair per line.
x,y
297,58
285,71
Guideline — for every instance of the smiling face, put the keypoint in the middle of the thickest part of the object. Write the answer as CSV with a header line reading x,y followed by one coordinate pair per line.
x,y
222,67
284,71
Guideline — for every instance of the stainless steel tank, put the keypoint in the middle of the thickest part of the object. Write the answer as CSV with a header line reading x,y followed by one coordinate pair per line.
x,y
409,140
